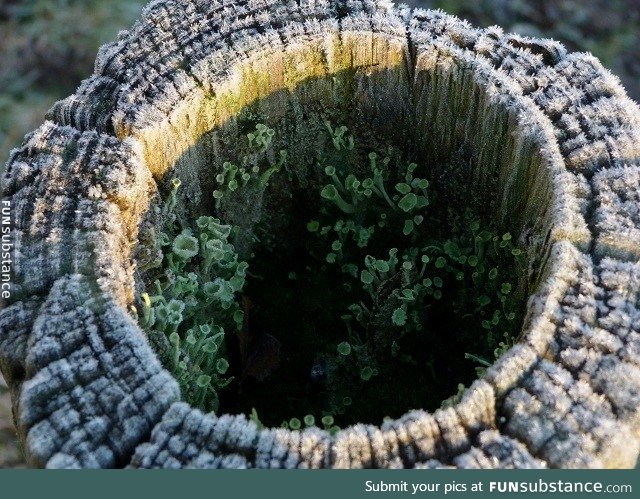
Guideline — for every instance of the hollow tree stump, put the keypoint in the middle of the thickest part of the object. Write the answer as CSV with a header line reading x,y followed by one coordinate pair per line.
x,y
557,130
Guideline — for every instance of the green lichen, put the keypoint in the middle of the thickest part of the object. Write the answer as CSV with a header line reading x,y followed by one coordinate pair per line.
x,y
380,230
193,303
365,286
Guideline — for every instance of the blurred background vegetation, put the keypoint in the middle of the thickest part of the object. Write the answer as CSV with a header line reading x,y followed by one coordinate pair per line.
x,y
48,46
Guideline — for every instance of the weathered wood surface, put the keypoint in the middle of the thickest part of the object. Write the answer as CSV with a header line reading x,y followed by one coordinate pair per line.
x,y
89,392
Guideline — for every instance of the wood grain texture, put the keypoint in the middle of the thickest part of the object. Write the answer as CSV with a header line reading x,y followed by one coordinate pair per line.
x,y
557,129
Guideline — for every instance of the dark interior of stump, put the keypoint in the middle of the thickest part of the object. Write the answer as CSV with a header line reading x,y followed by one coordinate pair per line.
x,y
304,314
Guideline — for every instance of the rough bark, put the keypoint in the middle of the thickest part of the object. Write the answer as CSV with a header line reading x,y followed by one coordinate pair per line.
x,y
556,128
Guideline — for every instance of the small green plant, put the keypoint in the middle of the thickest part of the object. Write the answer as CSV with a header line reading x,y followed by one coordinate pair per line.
x,y
193,303
197,279
378,228
241,185
377,289
254,417
309,421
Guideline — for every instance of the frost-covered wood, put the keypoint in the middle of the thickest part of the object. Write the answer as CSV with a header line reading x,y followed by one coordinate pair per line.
x,y
557,128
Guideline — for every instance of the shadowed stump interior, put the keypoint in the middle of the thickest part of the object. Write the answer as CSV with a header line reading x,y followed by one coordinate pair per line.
x,y
551,143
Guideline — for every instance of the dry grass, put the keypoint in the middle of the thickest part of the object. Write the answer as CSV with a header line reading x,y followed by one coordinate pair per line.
x,y
10,454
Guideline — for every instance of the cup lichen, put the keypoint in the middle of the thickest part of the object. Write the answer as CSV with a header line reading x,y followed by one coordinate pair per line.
x,y
413,272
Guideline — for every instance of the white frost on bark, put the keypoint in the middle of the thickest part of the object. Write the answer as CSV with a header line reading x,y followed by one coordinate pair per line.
x,y
556,128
